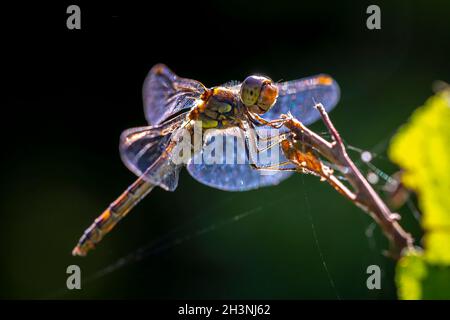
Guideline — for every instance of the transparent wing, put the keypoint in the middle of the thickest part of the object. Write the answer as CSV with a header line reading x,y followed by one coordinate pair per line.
x,y
232,84
298,97
142,151
165,94
225,165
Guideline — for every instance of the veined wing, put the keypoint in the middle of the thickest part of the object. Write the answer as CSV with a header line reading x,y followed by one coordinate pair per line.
x,y
225,165
145,151
298,97
165,94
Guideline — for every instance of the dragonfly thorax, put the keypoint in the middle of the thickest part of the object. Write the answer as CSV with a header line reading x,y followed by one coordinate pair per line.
x,y
220,108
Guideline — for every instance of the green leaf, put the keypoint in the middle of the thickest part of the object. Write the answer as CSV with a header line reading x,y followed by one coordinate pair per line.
x,y
422,149
410,272
417,278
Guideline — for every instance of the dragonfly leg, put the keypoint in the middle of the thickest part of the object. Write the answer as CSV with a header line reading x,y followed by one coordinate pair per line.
x,y
259,121
274,167
280,138
251,137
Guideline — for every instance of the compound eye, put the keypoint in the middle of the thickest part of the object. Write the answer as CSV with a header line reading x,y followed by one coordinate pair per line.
x,y
250,90
268,96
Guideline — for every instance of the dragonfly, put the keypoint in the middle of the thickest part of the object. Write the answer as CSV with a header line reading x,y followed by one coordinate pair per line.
x,y
173,104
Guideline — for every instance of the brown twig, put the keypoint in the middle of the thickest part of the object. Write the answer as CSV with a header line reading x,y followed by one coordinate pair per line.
x,y
363,194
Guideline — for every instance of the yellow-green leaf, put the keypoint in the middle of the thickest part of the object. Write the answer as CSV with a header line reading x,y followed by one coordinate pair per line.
x,y
410,272
422,149
416,278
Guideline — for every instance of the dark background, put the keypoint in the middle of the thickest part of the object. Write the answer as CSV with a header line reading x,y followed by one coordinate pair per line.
x,y
68,94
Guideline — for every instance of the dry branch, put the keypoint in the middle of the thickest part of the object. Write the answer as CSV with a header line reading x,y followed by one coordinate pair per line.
x,y
363,195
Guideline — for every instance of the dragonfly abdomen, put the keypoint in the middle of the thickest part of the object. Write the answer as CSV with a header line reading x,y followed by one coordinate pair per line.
x,y
112,215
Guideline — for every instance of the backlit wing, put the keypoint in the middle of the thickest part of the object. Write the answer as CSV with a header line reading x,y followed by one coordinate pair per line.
x,y
142,151
298,97
229,169
165,94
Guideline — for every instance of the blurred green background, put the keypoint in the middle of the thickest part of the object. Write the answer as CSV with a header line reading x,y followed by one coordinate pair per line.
x,y
71,93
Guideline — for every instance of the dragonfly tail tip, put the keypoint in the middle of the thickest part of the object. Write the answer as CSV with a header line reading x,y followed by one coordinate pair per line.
x,y
78,252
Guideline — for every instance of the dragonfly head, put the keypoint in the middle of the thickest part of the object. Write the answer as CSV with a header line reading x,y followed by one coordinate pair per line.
x,y
258,94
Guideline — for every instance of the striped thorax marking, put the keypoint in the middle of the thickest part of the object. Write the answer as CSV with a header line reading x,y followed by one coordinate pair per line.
x,y
219,108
